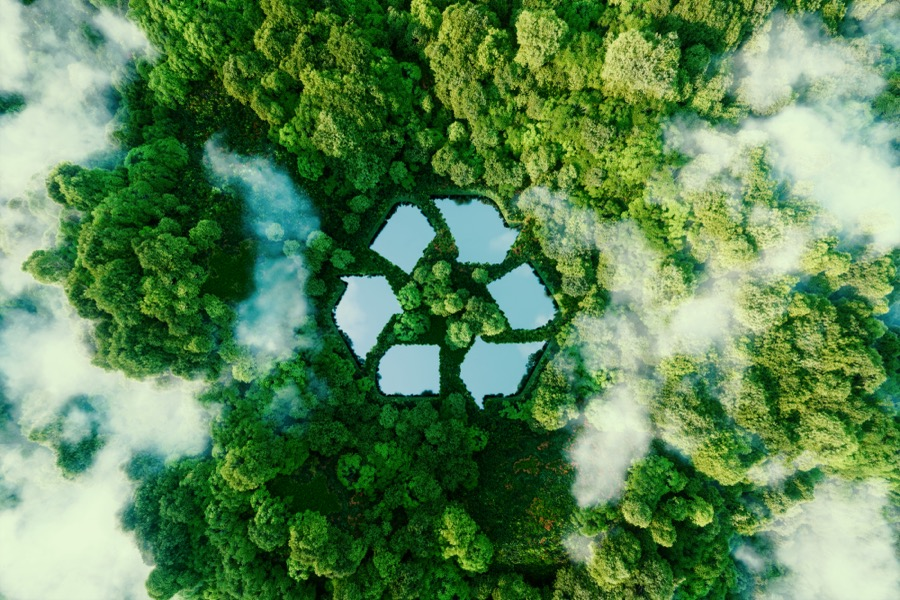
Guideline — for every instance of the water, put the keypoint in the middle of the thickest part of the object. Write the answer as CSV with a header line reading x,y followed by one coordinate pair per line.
x,y
478,229
410,370
523,298
405,237
363,311
495,368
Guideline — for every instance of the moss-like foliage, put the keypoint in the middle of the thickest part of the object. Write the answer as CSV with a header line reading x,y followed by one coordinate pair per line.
x,y
317,484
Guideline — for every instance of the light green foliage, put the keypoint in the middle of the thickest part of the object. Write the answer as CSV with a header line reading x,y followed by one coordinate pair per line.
x,y
640,70
316,484
461,540
539,35
319,548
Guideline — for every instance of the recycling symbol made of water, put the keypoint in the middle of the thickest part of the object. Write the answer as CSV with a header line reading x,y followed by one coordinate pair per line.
x,y
452,282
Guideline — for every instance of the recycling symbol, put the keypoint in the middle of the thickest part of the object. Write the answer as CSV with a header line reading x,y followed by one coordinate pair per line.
x,y
449,295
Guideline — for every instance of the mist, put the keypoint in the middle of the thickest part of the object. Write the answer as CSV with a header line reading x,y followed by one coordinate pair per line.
x,y
62,538
279,216
808,99
61,535
809,103
619,433
838,546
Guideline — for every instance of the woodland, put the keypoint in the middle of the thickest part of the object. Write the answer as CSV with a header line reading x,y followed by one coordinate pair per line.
x,y
317,485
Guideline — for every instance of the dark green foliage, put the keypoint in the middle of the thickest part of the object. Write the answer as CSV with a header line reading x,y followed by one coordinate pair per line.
x,y
525,509
149,251
316,484
11,103
74,435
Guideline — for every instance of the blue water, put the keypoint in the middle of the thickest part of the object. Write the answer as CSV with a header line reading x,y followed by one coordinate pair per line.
x,y
478,229
495,368
365,308
410,370
522,297
404,237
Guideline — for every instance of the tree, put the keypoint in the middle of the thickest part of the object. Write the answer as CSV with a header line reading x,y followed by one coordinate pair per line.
x,y
462,540
639,70
321,549
539,35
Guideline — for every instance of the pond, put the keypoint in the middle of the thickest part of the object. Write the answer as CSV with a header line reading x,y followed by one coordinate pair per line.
x,y
523,298
496,368
404,237
480,234
410,370
363,311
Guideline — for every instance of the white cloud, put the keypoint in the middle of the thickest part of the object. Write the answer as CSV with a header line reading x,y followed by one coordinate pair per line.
x,y
62,539
788,56
268,192
126,37
846,165
268,320
278,213
619,433
66,82
13,64
810,95
838,546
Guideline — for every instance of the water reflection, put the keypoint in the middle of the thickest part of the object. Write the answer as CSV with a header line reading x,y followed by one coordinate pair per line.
x,y
496,368
410,370
478,229
405,237
523,298
364,310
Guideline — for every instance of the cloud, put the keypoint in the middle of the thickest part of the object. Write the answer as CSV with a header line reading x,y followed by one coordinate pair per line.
x,y
618,433
269,194
277,213
62,537
653,313
844,160
125,36
820,137
837,546
13,63
810,100
66,83
789,56
63,540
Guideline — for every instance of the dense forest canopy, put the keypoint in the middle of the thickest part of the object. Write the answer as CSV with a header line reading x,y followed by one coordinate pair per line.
x,y
708,190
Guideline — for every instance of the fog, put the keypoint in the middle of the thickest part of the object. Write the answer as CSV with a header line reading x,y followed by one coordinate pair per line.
x,y
838,546
277,213
808,106
62,537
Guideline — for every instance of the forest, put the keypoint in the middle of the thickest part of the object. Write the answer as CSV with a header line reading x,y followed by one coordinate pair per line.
x,y
708,189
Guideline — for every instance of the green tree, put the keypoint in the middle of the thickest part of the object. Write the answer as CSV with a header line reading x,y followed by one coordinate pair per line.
x,y
462,540
540,35
639,70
